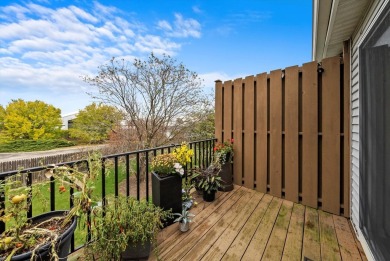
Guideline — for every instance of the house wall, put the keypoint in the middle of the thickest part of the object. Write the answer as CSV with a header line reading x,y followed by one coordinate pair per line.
x,y
66,119
358,37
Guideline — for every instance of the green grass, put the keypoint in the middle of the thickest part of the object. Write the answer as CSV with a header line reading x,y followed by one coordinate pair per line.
x,y
33,145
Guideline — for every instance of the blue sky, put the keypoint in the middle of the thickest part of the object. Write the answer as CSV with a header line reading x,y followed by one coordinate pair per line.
x,y
47,46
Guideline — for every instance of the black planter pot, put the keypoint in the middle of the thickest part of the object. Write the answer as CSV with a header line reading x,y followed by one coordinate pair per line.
x,y
199,191
136,251
63,242
226,175
166,193
209,196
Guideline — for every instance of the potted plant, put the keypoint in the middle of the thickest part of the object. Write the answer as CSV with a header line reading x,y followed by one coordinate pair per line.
x,y
46,236
125,229
194,177
184,219
210,181
223,155
167,172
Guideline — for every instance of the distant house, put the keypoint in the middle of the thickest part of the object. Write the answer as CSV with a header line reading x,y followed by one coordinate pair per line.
x,y
67,120
362,29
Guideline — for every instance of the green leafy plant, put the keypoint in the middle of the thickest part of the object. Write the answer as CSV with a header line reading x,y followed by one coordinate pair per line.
x,y
223,152
122,222
184,217
209,179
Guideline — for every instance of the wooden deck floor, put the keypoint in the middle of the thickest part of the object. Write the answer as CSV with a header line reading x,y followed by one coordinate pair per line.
x,y
248,225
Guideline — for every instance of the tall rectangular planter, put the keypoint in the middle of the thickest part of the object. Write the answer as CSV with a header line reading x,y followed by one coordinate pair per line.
x,y
167,192
226,175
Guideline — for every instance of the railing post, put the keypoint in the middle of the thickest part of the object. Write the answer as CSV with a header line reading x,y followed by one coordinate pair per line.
x,y
138,176
103,183
116,176
127,175
2,204
52,194
71,191
29,197
147,174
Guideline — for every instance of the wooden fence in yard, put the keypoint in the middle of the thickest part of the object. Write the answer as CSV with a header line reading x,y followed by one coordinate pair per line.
x,y
39,162
291,131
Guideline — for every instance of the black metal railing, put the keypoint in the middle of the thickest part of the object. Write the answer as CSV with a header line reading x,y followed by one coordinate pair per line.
x,y
122,165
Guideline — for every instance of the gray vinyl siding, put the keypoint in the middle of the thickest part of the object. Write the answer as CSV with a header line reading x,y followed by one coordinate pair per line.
x,y
359,35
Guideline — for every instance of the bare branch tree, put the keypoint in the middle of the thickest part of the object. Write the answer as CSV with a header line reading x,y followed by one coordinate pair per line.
x,y
159,96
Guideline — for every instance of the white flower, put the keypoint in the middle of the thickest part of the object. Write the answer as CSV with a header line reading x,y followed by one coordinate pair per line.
x,y
179,168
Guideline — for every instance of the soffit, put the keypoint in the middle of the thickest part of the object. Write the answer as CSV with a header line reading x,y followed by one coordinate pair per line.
x,y
337,20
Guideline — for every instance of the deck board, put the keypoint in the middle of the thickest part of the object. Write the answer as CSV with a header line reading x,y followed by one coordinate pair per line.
x,y
218,249
311,236
244,237
244,224
204,223
330,249
259,241
293,245
277,239
203,243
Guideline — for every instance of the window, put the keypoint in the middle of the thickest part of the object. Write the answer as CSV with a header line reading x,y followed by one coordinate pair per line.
x,y
374,71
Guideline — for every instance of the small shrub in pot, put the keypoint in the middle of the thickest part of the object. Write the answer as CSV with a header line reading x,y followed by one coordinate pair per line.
x,y
122,224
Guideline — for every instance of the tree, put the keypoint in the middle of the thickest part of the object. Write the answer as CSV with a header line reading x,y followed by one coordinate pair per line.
x,y
31,120
158,96
2,115
94,123
204,124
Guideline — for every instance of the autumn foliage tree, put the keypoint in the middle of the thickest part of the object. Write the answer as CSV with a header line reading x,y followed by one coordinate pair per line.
x,y
2,115
94,122
31,120
158,96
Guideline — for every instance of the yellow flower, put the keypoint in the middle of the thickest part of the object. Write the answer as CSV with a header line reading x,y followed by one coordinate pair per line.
x,y
183,154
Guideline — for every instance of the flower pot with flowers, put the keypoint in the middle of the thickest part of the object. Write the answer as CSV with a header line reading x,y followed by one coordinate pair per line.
x,y
47,236
223,155
167,172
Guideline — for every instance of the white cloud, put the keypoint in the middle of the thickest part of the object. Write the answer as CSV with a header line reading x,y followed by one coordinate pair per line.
x,y
164,25
82,14
181,28
155,44
197,10
46,50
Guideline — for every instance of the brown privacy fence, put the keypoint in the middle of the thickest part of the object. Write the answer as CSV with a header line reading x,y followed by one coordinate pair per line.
x,y
291,132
